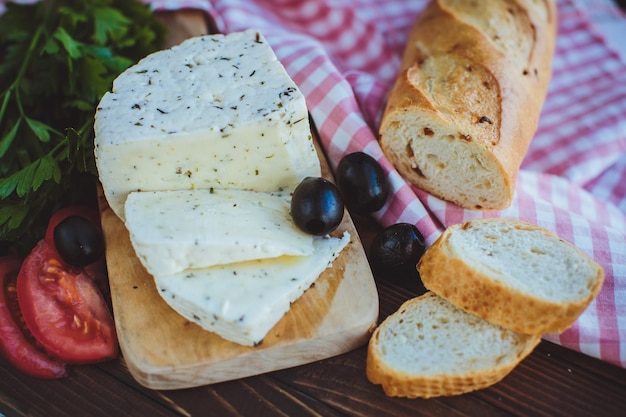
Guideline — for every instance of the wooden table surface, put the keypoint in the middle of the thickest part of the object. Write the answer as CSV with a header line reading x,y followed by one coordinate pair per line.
x,y
552,381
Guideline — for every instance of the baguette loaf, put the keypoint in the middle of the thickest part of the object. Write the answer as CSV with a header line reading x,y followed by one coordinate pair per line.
x,y
430,348
511,273
465,106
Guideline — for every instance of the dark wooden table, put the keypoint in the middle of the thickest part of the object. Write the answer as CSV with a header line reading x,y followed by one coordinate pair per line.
x,y
552,381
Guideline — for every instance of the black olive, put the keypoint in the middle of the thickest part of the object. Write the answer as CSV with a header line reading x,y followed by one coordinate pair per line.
x,y
396,250
78,241
316,206
362,182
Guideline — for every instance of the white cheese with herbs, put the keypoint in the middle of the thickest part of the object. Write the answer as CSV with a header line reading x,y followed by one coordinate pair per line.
x,y
176,230
242,302
216,111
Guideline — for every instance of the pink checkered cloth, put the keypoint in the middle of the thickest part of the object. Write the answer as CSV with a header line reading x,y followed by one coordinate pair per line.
x,y
344,56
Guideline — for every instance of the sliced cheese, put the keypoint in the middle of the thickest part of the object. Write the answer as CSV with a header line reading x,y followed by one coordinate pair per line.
x,y
176,230
216,111
242,302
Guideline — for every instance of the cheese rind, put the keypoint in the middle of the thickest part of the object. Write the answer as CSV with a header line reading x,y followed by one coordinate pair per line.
x,y
216,111
172,231
242,302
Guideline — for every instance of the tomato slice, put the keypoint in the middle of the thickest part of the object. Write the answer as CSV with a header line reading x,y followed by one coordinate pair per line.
x,y
14,343
63,308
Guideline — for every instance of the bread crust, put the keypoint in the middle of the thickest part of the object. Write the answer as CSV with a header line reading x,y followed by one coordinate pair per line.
x,y
454,279
398,383
511,89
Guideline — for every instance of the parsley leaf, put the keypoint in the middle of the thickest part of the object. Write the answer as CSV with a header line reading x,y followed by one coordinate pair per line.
x,y
57,59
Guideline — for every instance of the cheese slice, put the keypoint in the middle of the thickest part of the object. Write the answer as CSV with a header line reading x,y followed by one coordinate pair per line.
x,y
242,302
172,231
216,111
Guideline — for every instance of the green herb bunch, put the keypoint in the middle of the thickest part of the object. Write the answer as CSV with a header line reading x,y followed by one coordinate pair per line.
x,y
57,59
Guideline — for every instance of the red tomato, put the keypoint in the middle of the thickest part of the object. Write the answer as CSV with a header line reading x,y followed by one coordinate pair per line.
x,y
63,308
14,343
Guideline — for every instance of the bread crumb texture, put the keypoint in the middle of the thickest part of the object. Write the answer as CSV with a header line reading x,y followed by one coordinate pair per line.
x,y
437,338
431,348
512,273
525,258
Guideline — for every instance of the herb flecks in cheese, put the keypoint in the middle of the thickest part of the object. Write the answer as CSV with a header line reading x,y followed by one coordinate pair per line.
x,y
242,302
172,231
215,111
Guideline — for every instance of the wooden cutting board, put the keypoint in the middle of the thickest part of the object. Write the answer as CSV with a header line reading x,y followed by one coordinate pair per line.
x,y
164,351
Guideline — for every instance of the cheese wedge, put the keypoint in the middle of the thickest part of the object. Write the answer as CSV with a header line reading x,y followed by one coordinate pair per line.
x,y
242,302
176,230
198,148
216,111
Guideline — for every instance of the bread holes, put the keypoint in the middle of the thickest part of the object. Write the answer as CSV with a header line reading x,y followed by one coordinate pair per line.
x,y
491,238
478,163
435,161
418,171
414,165
409,151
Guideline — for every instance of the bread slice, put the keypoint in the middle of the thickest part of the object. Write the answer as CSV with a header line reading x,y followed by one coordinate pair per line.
x,y
512,273
431,348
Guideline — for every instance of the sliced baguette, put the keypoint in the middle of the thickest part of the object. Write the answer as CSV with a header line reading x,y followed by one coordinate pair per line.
x,y
466,102
512,273
431,348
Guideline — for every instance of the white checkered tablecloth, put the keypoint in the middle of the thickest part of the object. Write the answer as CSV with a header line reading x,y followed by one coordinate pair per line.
x,y
344,55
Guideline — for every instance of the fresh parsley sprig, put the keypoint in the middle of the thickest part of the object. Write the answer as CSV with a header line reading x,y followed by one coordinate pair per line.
x,y
57,59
